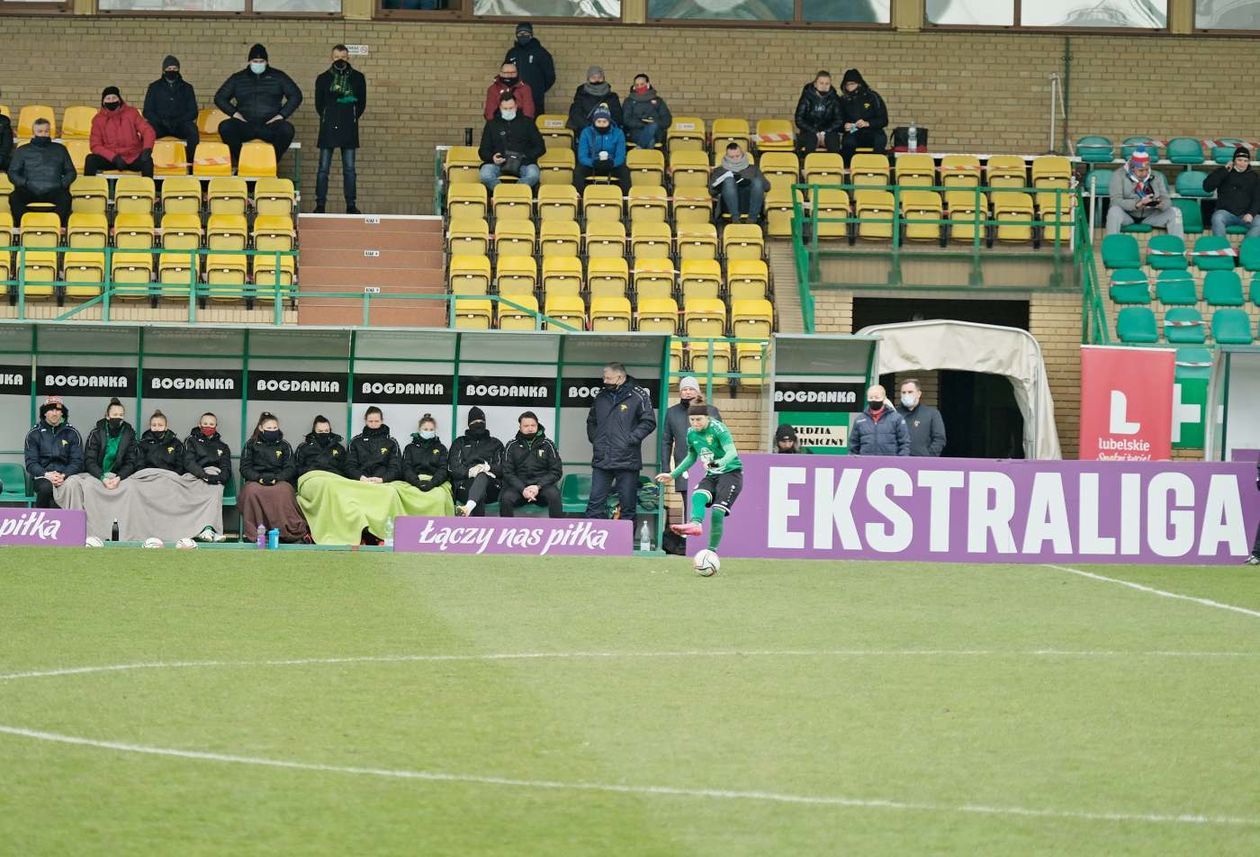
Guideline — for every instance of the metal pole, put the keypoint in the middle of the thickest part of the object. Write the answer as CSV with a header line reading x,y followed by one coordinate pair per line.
x,y
1054,94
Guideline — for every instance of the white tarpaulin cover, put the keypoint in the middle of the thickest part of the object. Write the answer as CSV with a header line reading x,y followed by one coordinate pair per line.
x,y
987,348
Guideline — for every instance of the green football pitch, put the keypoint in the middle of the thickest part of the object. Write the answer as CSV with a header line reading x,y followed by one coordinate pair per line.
x,y
239,702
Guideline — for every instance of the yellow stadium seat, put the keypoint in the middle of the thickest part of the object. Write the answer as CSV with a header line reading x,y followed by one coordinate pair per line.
x,y
85,271
272,232
960,171
876,212
4,111
710,358
177,275
921,211
514,237
605,238
6,187
471,314
780,167
750,363
697,241
675,357
1055,210
968,212
90,194
747,279
562,276
512,201
727,131
692,205
469,275
601,202
181,195
1051,171
651,241
700,278
212,159
468,236
657,315
1006,171
743,241
226,276
6,269
703,317
560,238
132,274
523,316
648,204
916,170
653,278
266,274
775,135
686,133
556,167
208,121
647,167
752,319
824,168
273,197
554,130
134,195
558,202
869,170
568,311
27,117
227,195
462,165
607,277
40,271
226,232
466,200
41,229
515,276
1013,212
87,231
689,168
779,209
79,150
610,314
170,157
257,160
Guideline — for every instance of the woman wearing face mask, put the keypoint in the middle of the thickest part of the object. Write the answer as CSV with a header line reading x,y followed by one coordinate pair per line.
x,y
646,114
425,489
208,458
109,457
168,502
347,496
322,451
267,496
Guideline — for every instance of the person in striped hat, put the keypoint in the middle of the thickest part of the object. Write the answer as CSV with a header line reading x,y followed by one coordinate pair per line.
x,y
1140,195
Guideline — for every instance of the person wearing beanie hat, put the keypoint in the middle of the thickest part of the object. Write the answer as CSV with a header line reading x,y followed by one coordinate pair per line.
x,y
590,96
1139,194
709,441
646,114
534,64
121,138
531,470
674,432
511,144
340,99
1237,188
601,151
475,465
787,443
863,116
53,451
170,107
509,81
259,100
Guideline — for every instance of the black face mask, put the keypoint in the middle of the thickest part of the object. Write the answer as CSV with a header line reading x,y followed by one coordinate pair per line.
x,y
114,423
507,81
112,105
171,75
41,141
875,406
524,40
270,436
341,65
323,438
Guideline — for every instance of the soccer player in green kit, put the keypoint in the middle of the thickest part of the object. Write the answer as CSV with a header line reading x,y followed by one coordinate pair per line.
x,y
709,441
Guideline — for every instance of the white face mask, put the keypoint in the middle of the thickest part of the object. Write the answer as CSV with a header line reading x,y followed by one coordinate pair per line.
x,y
258,67
908,400
509,115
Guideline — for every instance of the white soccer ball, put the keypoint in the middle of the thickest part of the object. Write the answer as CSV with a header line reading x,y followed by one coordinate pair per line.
x,y
707,563
94,542
153,543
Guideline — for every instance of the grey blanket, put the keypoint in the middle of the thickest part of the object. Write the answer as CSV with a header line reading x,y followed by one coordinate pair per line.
x,y
150,503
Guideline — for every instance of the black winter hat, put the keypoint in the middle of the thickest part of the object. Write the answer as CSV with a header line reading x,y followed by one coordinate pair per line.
x,y
258,52
525,27
170,61
1242,152
476,415
785,432
110,90
852,76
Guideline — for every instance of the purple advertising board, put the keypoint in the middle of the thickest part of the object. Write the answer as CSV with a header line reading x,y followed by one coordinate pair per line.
x,y
65,528
520,536
972,510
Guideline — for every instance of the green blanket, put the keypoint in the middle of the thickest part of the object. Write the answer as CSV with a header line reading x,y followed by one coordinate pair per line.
x,y
435,503
339,509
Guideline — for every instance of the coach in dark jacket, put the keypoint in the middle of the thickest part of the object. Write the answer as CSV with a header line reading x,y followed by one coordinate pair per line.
x,y
206,455
618,422
878,430
927,429
53,451
677,425
818,116
531,470
340,99
321,450
533,64
476,466
259,100
374,455
170,106
863,116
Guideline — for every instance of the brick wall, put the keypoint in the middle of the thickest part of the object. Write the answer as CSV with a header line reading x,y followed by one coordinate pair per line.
x,y
975,91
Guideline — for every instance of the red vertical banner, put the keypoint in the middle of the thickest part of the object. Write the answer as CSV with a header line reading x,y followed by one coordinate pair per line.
x,y
1126,403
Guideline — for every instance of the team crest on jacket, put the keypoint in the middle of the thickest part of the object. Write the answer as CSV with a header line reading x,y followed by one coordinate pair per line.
x,y
169,450
623,407
384,449
336,452
65,443
279,452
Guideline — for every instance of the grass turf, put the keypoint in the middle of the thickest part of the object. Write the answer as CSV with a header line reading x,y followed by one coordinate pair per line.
x,y
839,715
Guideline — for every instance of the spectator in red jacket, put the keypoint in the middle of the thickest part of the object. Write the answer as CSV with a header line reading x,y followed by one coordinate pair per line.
x,y
508,81
121,139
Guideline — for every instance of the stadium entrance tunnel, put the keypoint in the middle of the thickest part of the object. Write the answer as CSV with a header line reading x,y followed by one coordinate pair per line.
x,y
977,409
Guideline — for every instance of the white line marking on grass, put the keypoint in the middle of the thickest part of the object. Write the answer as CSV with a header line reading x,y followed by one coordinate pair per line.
x,y
671,791
1206,602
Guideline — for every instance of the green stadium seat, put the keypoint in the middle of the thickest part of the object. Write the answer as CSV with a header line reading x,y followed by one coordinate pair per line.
x,y
1249,254
1176,288
1193,359
1224,153
1098,180
1166,252
1129,286
1138,228
1237,229
1184,326
1231,327
1130,145
1255,290
1185,150
1094,149
1191,215
1120,251
1222,288
1209,254
575,491
1190,183
1135,325
13,478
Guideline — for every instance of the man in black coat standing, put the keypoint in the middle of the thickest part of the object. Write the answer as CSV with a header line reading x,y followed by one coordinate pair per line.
x,y
927,429
533,64
340,99
259,100
619,420
170,106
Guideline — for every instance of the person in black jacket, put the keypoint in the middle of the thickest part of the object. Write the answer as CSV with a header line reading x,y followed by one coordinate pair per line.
x,y
53,451
41,172
533,63
531,470
374,455
340,99
160,448
1237,189
6,142
170,106
863,116
110,452
787,443
322,450
594,93
818,117
206,455
510,142
924,422
619,421
259,100
267,497
425,459
475,465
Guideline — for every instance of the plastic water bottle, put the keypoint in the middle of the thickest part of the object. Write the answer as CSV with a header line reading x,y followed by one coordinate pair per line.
x,y
261,541
645,536
389,533
912,138
273,539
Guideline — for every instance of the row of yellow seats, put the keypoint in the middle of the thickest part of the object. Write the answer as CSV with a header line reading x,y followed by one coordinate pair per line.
x,y
136,231
82,273
470,236
597,202
743,279
692,133
700,317
184,195
170,158
76,121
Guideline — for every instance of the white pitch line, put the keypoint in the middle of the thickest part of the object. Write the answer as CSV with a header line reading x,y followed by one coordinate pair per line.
x,y
1206,602
671,791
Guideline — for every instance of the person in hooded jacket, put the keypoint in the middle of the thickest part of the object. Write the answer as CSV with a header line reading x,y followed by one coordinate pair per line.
x,y
110,453
121,138
531,470
601,152
170,107
591,95
267,496
53,451
322,450
534,63
208,458
259,101
374,456
787,443
818,117
863,116
646,114
41,172
425,487
509,81
619,420
340,99
475,465
159,447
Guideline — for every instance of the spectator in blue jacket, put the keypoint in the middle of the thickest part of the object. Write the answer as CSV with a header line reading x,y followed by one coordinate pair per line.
x,y
602,152
618,422
54,451
879,430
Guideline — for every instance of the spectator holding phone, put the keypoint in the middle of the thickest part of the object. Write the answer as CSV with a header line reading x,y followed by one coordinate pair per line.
x,y
1237,195
1140,195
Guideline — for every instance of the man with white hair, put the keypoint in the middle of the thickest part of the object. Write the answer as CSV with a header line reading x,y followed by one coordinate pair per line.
x,y
1140,195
